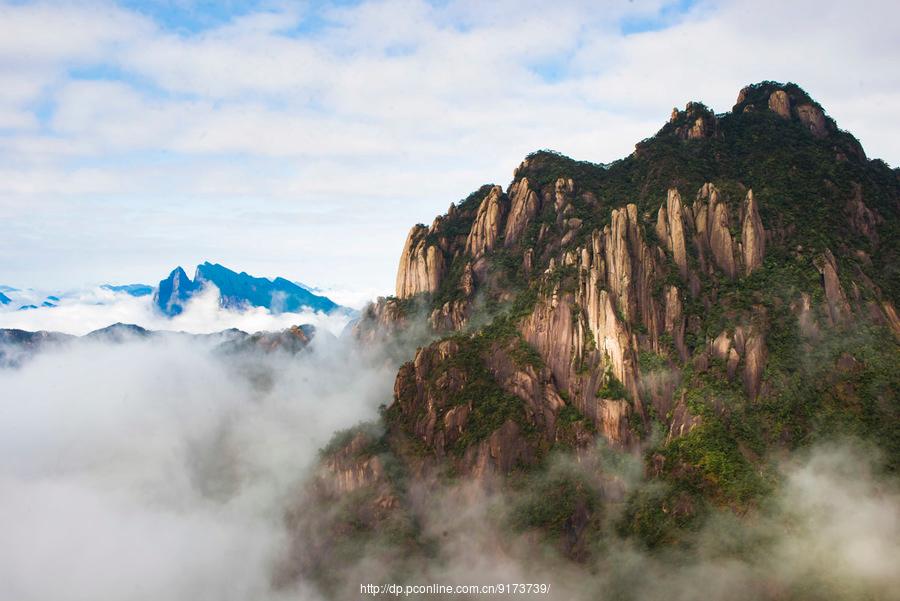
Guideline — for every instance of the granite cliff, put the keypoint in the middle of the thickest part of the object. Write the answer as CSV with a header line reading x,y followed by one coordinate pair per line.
x,y
726,291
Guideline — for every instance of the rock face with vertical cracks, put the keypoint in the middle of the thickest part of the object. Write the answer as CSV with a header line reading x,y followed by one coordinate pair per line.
x,y
745,347
780,104
838,307
812,117
438,397
753,236
485,232
712,223
670,227
676,298
599,304
421,265
524,207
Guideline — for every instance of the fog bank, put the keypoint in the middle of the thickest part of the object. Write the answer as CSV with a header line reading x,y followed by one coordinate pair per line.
x,y
157,469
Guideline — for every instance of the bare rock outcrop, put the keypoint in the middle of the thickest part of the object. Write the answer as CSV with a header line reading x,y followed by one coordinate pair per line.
x,y
630,266
695,122
682,420
485,232
421,404
613,340
451,316
712,226
421,265
670,229
610,416
562,196
524,206
779,103
812,117
380,320
581,338
436,398
791,103
893,320
551,331
862,219
838,307
674,320
349,468
753,235
504,450
534,385
747,347
755,354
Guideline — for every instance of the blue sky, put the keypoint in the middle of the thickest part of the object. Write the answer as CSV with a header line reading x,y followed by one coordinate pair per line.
x,y
194,17
304,139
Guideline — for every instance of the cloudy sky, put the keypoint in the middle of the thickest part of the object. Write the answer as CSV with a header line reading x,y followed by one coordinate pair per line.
x,y
304,139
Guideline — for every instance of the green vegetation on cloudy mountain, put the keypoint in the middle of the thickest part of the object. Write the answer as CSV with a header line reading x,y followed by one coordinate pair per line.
x,y
711,304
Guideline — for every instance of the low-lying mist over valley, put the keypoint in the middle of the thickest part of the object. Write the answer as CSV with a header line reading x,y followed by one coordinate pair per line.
x,y
148,468
163,467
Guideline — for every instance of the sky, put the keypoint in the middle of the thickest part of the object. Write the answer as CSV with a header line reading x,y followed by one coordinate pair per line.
x,y
303,140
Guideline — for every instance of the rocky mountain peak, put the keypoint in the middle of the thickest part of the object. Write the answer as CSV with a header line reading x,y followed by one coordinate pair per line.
x,y
236,291
788,101
671,291
174,291
722,295
695,122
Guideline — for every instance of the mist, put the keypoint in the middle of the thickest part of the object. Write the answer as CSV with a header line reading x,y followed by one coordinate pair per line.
x,y
830,530
159,469
97,308
164,468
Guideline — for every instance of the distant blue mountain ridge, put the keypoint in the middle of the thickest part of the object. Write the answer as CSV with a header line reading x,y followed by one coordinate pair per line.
x,y
237,291
132,289
50,301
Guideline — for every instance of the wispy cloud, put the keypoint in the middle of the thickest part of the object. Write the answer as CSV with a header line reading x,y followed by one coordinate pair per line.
x,y
381,112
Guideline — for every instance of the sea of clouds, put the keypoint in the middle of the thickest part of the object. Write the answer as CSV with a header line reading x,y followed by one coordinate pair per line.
x,y
82,311
160,469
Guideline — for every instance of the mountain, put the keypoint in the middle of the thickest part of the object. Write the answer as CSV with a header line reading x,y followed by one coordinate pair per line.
x,y
29,299
174,291
118,332
131,289
292,340
723,295
17,346
237,291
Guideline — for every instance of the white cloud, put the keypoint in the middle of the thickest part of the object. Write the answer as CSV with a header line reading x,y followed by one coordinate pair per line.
x,y
55,33
83,312
400,100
